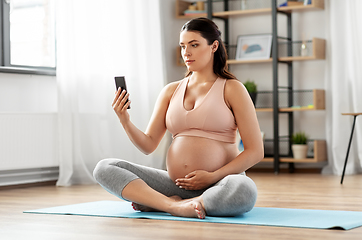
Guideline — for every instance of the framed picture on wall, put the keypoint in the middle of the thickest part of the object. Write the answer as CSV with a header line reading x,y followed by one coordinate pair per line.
x,y
253,47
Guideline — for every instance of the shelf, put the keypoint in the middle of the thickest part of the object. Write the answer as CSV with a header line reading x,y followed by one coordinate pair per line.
x,y
318,52
320,155
234,61
181,6
318,104
227,14
264,109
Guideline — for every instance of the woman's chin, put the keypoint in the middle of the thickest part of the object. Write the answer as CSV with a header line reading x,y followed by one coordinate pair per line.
x,y
190,68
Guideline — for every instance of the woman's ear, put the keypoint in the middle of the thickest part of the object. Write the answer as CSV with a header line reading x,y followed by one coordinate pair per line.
x,y
215,46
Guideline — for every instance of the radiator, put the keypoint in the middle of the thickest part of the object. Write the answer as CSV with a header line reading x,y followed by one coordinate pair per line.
x,y
26,176
28,143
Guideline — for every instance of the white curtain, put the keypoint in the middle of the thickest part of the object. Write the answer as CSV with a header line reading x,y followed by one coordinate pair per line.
x,y
344,84
97,40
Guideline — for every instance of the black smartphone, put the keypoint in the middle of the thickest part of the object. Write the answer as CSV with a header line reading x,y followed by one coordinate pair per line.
x,y
121,83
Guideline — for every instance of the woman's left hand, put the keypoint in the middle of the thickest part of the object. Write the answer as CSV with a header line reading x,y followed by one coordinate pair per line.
x,y
196,180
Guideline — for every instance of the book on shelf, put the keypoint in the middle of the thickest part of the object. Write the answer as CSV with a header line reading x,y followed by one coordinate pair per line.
x,y
306,2
295,3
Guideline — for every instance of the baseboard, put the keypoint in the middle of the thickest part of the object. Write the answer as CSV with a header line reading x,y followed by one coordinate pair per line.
x,y
285,170
28,176
284,167
28,185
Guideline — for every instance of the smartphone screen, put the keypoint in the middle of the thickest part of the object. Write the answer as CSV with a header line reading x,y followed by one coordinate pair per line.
x,y
121,83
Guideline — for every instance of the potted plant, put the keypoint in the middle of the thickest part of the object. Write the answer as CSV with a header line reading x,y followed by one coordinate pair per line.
x,y
252,90
299,145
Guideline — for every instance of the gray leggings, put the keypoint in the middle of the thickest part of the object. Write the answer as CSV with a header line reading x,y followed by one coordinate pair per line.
x,y
233,195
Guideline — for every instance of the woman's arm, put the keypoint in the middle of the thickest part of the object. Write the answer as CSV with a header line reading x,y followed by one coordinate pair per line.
x,y
146,141
237,97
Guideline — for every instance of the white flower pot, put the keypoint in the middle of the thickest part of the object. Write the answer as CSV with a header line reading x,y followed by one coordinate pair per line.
x,y
300,151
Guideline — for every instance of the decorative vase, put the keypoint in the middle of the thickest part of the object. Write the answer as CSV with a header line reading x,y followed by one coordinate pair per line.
x,y
200,5
300,151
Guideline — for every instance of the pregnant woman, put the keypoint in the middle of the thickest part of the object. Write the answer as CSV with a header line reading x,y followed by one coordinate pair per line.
x,y
205,171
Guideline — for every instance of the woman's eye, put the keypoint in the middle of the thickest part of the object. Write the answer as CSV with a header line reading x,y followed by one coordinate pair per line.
x,y
194,45
182,47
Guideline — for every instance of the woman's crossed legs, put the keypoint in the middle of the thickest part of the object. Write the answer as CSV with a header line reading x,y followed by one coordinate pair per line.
x,y
153,188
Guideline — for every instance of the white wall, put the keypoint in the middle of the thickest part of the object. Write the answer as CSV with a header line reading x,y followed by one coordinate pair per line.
x,y
170,29
28,106
23,93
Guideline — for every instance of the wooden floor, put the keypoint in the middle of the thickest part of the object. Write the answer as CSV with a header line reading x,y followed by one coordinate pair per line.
x,y
308,191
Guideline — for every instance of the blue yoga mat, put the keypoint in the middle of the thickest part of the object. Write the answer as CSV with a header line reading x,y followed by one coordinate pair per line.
x,y
280,217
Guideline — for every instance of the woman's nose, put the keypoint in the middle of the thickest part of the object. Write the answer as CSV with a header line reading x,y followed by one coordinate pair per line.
x,y
187,52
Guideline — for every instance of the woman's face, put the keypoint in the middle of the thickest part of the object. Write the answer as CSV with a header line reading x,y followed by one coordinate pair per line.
x,y
195,51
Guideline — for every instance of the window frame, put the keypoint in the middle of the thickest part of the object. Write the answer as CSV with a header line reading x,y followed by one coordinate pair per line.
x,y
5,65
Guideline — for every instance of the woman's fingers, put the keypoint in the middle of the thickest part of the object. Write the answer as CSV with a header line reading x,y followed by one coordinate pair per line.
x,y
191,174
118,92
195,180
123,98
119,102
120,106
187,179
184,183
127,104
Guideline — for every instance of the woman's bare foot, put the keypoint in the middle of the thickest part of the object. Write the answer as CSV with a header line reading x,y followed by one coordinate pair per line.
x,y
189,208
181,208
142,208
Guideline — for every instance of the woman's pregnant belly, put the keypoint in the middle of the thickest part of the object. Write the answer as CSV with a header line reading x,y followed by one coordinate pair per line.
x,y
187,154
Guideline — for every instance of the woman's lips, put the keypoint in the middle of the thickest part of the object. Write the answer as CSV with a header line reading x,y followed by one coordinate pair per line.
x,y
189,61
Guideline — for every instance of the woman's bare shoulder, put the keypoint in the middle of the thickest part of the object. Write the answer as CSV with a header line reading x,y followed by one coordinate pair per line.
x,y
233,86
173,85
235,92
170,88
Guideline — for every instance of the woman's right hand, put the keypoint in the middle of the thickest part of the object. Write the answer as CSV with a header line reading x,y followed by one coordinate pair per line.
x,y
120,106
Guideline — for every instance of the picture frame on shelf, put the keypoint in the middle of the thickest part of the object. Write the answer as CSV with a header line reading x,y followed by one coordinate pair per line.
x,y
257,46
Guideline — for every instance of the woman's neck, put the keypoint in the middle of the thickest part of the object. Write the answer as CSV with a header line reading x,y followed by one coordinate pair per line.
x,y
203,76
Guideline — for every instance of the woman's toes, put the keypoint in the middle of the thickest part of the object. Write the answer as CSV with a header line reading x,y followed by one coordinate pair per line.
x,y
142,208
200,211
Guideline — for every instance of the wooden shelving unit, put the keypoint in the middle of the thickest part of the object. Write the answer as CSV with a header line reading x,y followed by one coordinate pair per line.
x,y
317,52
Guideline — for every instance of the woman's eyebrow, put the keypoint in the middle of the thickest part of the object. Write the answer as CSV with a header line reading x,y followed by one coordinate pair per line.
x,y
181,43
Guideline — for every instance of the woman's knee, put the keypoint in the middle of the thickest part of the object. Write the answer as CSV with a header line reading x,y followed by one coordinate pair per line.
x,y
102,167
247,193
234,195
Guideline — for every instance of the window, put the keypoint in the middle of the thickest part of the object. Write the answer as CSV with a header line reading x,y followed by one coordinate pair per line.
x,y
28,36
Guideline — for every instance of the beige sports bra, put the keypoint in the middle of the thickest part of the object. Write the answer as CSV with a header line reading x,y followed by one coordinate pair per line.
x,y
212,118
